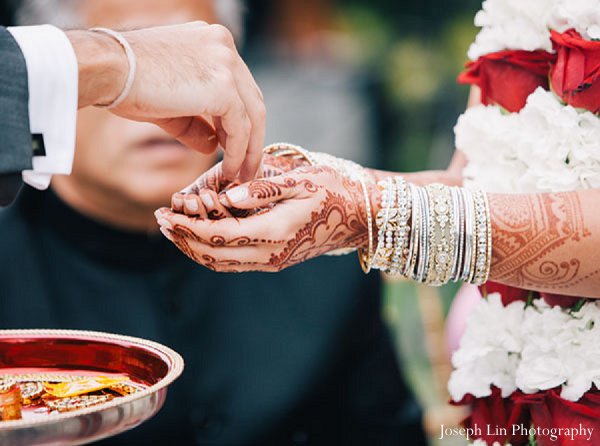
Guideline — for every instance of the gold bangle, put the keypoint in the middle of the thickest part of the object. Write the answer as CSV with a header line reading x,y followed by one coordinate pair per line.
x,y
366,257
442,240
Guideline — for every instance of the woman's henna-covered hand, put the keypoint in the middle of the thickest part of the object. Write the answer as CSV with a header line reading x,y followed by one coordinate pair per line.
x,y
317,210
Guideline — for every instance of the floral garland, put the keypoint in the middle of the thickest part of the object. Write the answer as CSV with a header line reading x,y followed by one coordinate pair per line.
x,y
529,358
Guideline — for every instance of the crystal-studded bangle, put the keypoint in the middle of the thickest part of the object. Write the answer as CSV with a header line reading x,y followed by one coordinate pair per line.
x,y
442,237
481,249
401,226
382,220
449,240
432,240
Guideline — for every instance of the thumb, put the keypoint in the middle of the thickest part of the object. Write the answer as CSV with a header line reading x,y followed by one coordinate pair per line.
x,y
261,193
193,132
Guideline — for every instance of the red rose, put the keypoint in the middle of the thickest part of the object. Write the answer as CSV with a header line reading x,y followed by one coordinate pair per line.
x,y
549,411
558,300
509,294
508,78
576,74
492,418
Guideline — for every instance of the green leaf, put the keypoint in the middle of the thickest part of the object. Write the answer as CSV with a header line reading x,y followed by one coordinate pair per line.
x,y
530,298
532,440
578,306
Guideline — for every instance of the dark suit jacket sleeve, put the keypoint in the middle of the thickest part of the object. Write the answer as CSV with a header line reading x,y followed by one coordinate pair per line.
x,y
15,136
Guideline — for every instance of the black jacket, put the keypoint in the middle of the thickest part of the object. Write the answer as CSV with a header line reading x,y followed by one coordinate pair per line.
x,y
15,136
299,357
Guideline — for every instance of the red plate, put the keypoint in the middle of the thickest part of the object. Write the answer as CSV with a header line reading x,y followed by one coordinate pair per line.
x,y
150,366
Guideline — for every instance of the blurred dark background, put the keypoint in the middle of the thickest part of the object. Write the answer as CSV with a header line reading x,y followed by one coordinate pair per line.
x,y
406,54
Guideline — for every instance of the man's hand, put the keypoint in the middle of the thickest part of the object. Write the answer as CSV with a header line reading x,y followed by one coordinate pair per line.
x,y
190,81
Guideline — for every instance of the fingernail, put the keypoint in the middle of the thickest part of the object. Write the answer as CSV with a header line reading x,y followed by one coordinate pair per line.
x,y
207,200
166,233
165,223
237,194
224,201
158,213
178,202
191,204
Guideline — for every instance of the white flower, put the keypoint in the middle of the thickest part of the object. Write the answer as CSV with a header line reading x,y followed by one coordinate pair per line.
x,y
512,25
489,350
583,15
546,147
525,25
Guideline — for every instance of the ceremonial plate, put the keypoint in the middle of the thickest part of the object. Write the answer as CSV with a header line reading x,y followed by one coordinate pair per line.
x,y
150,368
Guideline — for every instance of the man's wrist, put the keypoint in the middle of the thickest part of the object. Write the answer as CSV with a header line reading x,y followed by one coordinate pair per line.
x,y
102,65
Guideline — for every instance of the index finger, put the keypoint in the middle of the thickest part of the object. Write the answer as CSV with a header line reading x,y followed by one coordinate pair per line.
x,y
237,126
254,101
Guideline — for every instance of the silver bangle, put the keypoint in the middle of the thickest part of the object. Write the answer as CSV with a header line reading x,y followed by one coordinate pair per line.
x,y
425,224
131,58
456,228
468,235
461,236
412,244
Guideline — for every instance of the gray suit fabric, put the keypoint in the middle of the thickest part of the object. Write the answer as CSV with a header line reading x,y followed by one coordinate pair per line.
x,y
15,136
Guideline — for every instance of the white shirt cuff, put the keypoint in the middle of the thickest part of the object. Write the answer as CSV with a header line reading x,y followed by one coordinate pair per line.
x,y
53,98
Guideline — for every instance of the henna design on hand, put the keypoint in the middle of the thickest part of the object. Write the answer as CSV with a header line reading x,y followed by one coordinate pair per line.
x,y
341,224
328,213
264,190
526,229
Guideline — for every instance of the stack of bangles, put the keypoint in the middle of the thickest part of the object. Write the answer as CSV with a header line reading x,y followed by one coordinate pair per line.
x,y
433,234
